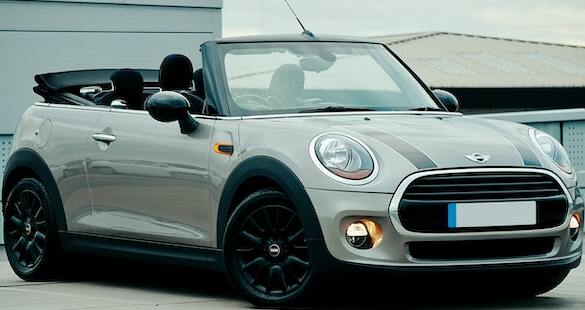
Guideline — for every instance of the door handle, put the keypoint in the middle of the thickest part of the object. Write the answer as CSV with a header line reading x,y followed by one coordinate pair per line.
x,y
102,137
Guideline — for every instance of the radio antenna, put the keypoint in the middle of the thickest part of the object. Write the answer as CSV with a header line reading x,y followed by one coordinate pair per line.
x,y
305,31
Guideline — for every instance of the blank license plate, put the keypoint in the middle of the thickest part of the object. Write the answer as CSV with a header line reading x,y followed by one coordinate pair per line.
x,y
491,214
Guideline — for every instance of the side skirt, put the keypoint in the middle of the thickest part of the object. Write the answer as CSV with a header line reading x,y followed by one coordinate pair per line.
x,y
147,251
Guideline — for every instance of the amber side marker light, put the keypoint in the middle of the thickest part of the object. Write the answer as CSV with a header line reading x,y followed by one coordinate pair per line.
x,y
574,226
364,234
223,149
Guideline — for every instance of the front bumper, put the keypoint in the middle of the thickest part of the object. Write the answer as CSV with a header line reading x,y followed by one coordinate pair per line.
x,y
325,264
336,210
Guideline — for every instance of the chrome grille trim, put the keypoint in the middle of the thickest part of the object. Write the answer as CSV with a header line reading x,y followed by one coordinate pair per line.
x,y
399,193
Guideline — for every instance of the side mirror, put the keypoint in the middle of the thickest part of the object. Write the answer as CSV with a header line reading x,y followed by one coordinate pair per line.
x,y
447,99
169,106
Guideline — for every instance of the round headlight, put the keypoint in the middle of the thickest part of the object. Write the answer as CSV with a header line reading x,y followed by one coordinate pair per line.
x,y
552,149
343,158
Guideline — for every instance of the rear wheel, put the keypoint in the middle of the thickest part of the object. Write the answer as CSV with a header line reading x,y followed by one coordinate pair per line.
x,y
266,251
29,232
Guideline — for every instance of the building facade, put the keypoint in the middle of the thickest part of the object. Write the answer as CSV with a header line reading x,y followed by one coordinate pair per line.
x,y
491,75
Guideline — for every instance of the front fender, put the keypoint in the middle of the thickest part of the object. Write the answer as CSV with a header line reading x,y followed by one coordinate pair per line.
x,y
26,160
275,170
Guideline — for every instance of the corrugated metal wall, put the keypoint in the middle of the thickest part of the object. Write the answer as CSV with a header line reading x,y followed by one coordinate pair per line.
x,y
5,142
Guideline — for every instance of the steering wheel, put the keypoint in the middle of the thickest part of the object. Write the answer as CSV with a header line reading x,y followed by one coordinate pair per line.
x,y
243,99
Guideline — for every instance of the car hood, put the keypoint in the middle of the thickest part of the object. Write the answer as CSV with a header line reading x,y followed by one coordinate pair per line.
x,y
403,144
430,141
440,142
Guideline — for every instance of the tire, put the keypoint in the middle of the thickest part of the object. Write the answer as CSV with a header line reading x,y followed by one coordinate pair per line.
x,y
30,235
265,251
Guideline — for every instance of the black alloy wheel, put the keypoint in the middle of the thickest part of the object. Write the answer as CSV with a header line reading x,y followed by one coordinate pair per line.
x,y
266,250
28,230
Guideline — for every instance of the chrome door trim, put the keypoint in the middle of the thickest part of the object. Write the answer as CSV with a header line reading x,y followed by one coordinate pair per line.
x,y
266,116
288,115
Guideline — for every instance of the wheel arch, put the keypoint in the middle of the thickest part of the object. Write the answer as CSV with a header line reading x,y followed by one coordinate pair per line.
x,y
24,163
268,172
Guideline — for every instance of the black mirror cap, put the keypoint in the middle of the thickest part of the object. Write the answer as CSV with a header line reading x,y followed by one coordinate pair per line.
x,y
447,99
169,106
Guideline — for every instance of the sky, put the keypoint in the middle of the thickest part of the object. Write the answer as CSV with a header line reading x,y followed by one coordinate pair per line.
x,y
555,21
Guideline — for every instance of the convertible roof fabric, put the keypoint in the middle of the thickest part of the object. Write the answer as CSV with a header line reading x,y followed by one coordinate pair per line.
x,y
57,81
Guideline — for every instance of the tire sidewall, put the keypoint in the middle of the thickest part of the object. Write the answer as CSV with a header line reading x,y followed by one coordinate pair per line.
x,y
242,211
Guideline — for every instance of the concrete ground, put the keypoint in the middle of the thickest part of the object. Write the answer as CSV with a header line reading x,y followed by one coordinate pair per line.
x,y
129,286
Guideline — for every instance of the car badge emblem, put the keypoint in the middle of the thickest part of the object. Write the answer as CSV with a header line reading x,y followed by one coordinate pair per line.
x,y
478,158
274,250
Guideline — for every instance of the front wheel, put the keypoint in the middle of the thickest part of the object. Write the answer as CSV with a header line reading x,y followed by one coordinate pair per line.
x,y
266,252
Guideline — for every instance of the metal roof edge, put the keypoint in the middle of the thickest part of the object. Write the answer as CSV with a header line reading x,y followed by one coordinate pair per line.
x,y
414,36
424,35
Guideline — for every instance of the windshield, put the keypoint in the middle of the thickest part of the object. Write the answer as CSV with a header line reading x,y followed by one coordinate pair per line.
x,y
297,77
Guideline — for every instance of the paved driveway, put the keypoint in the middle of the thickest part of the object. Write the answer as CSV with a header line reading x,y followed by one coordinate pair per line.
x,y
132,286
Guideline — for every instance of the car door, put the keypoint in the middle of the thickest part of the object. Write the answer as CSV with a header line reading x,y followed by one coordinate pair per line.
x,y
148,181
62,136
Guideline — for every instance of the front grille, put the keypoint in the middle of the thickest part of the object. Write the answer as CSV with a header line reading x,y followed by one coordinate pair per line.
x,y
481,249
482,186
423,207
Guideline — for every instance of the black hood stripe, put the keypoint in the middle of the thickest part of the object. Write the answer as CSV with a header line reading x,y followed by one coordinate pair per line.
x,y
419,159
527,154
528,157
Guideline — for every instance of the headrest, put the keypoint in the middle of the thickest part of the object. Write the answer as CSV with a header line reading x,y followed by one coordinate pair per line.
x,y
128,84
198,82
288,82
176,73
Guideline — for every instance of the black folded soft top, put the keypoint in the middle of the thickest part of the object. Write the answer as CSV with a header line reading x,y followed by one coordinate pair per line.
x,y
61,81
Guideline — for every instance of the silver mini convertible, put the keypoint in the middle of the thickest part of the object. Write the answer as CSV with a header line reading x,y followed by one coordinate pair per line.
x,y
281,160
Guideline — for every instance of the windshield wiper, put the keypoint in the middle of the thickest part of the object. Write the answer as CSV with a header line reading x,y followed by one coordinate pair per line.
x,y
335,108
427,109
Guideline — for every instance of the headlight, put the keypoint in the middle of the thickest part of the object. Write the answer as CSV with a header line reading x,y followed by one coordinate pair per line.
x,y
552,149
343,158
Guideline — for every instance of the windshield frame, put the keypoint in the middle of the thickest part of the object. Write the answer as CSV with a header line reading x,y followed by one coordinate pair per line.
x,y
226,100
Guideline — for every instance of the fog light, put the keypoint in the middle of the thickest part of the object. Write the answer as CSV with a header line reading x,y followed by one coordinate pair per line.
x,y
357,235
364,234
574,226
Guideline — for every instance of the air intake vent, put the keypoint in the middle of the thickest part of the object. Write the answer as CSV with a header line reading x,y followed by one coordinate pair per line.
x,y
481,249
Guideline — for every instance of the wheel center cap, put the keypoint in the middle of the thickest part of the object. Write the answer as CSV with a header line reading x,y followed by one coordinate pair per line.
x,y
274,250
27,228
